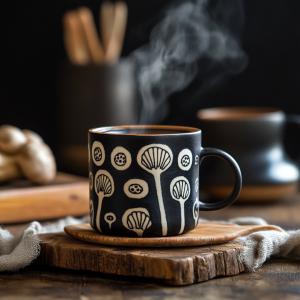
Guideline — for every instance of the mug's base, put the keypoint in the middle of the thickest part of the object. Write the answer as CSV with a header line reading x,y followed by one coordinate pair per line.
x,y
255,193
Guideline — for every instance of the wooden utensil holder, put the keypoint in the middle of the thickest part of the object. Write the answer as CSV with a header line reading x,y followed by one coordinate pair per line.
x,y
91,96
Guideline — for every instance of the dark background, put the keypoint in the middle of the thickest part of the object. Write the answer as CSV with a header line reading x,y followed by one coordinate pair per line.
x,y
270,37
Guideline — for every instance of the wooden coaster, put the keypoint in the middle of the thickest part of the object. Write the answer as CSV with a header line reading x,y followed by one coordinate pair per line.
x,y
181,266
204,234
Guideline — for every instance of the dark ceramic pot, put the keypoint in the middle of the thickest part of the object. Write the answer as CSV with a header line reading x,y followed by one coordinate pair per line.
x,y
291,137
144,180
90,96
254,136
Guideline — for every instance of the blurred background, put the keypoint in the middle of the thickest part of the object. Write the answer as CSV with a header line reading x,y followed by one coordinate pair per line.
x,y
248,56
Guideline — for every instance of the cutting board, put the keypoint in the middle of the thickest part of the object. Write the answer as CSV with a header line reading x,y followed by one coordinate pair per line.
x,y
21,201
174,266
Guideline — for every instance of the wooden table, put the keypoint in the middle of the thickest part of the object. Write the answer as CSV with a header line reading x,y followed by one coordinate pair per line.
x,y
278,279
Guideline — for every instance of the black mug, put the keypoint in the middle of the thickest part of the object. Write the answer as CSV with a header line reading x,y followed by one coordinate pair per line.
x,y
144,179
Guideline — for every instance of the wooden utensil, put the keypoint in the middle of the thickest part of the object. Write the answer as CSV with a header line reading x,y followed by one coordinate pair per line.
x,y
91,37
74,39
107,16
81,38
115,43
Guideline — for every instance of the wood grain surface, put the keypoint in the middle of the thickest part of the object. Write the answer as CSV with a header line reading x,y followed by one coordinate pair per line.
x,y
204,234
276,280
172,266
21,201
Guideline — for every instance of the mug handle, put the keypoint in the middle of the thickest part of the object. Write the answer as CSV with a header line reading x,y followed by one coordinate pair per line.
x,y
206,152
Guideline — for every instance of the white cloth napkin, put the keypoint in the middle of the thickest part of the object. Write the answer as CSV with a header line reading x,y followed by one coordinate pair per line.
x,y
261,245
18,252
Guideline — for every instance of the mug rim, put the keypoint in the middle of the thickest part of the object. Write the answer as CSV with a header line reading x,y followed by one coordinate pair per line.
x,y
239,113
178,130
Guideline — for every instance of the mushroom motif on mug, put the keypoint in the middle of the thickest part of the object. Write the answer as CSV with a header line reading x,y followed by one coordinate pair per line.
x,y
136,188
156,159
110,218
120,158
104,188
98,153
185,159
180,191
137,220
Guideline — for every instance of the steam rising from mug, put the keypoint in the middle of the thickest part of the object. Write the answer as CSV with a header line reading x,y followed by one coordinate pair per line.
x,y
184,37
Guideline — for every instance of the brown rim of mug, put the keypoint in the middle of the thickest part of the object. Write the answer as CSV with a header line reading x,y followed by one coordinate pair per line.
x,y
237,113
178,130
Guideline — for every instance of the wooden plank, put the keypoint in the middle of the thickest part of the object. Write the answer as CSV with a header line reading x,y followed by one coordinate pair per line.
x,y
21,202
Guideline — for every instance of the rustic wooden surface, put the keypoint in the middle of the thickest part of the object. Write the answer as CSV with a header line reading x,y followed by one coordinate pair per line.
x,y
206,233
279,279
21,201
172,266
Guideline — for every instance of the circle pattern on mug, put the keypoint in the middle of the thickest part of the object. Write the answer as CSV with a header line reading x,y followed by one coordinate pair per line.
x,y
120,158
185,159
98,153
136,188
196,159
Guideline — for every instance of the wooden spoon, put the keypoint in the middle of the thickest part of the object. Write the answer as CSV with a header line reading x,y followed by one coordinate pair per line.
x,y
107,16
91,36
115,43
74,39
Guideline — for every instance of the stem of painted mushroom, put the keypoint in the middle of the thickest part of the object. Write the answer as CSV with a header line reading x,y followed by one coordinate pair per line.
x,y
98,216
139,232
182,216
164,224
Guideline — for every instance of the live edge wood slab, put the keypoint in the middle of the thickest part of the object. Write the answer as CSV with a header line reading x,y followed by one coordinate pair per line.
x,y
179,260
196,256
173,266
